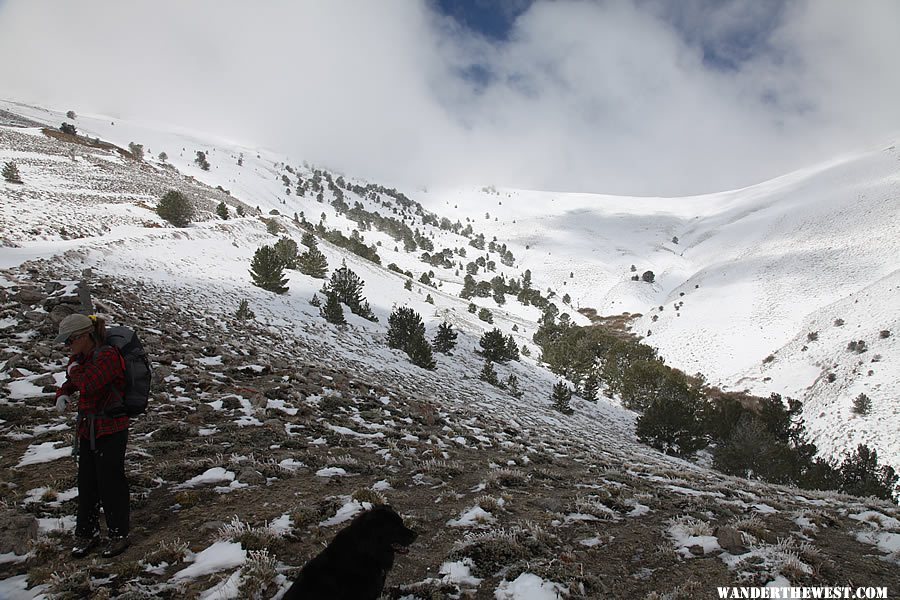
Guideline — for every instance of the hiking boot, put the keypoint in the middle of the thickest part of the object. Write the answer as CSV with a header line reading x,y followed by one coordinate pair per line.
x,y
116,546
84,545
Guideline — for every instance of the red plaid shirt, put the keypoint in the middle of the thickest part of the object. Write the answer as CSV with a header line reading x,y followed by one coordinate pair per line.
x,y
94,377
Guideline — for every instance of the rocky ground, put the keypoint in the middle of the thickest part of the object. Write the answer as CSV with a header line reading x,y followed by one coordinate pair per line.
x,y
265,438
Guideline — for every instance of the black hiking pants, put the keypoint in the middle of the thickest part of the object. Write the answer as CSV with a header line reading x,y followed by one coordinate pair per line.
x,y
101,481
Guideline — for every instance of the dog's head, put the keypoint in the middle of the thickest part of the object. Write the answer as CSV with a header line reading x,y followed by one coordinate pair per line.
x,y
384,528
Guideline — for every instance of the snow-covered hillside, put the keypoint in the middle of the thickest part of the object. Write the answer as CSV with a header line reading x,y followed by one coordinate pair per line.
x,y
753,271
295,425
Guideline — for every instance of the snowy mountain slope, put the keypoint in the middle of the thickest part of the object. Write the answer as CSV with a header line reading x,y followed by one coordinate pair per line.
x,y
297,390
752,269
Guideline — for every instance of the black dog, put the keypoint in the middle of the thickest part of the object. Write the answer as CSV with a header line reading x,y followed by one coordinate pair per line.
x,y
355,564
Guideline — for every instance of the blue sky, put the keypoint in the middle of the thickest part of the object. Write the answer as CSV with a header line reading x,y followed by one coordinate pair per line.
x,y
491,18
643,97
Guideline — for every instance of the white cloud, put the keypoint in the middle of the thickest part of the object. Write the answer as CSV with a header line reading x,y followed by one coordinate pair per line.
x,y
610,97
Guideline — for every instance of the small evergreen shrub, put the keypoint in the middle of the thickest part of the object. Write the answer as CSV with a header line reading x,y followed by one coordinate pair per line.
x,y
201,160
137,150
671,425
488,373
347,286
838,322
561,396
68,129
272,226
445,339
244,313
70,115
648,277
286,249
175,208
332,310
222,210
313,263
812,336
486,316
267,272
406,332
11,172
858,346
512,385
862,404
420,354
884,334
498,348
861,475
590,387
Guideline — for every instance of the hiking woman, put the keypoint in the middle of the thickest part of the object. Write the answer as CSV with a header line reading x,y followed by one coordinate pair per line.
x,y
97,372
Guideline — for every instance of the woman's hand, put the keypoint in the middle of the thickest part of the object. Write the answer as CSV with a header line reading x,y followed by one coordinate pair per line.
x,y
61,403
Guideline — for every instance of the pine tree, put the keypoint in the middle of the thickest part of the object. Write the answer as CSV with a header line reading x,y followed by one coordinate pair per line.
x,y
404,324
512,384
419,351
11,172
333,311
137,150
445,340
590,387
561,396
488,373
201,160
862,404
497,347
272,226
309,240
267,271
244,313
313,263
861,475
406,332
407,285
286,249
429,299
347,286
222,210
240,210
176,209
315,301
671,423
486,316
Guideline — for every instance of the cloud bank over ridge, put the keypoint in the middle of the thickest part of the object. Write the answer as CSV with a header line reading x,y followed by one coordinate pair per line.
x,y
644,97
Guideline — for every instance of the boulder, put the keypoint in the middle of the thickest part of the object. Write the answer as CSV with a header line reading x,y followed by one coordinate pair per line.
x,y
29,296
731,540
16,530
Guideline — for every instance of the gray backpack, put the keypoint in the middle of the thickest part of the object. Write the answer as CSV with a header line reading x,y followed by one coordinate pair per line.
x,y
138,374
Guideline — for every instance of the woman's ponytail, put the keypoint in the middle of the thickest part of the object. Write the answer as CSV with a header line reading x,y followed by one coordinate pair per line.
x,y
99,332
